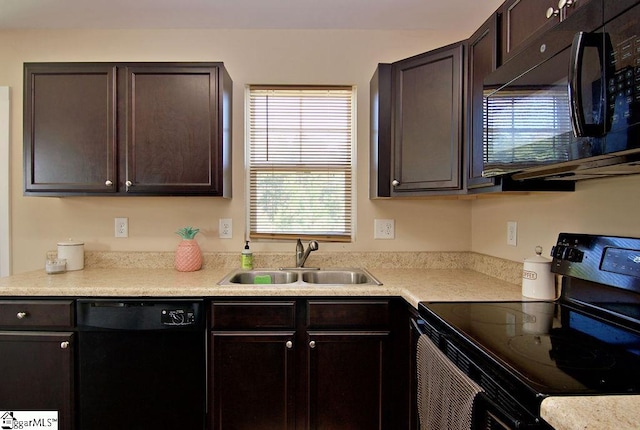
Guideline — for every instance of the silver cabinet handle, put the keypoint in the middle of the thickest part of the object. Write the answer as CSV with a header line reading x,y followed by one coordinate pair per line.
x,y
567,3
289,344
128,183
395,182
21,315
64,345
312,344
551,12
108,183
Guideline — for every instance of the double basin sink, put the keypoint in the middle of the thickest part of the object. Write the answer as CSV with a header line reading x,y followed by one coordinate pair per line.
x,y
300,277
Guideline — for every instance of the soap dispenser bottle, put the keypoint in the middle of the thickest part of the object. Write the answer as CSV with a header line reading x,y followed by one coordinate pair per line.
x,y
246,259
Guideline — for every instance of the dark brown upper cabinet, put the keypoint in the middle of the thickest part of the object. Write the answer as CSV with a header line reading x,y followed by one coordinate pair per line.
x,y
70,140
427,121
380,133
522,20
127,129
482,59
416,125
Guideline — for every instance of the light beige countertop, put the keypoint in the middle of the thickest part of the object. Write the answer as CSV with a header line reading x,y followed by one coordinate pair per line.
x,y
427,276
414,285
592,412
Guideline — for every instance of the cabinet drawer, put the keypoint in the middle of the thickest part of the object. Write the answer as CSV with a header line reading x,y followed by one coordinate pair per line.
x,y
36,313
348,314
253,315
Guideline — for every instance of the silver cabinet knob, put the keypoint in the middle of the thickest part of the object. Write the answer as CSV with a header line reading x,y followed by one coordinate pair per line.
x,y
128,183
64,345
395,182
21,315
551,12
567,3
108,183
289,344
312,344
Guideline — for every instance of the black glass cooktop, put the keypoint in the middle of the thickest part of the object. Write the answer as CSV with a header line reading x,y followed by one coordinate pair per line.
x,y
552,348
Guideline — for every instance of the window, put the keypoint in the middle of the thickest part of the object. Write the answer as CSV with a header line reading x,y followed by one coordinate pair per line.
x,y
300,150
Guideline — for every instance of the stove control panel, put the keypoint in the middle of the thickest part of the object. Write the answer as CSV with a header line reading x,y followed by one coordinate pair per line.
x,y
564,252
609,260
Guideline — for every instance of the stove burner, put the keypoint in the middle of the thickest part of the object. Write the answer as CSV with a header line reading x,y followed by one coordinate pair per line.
x,y
489,314
559,351
570,354
533,348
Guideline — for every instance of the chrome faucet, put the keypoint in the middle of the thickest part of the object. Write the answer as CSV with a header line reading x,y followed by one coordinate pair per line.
x,y
301,254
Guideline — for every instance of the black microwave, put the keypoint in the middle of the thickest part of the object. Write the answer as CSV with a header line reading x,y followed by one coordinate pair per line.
x,y
567,107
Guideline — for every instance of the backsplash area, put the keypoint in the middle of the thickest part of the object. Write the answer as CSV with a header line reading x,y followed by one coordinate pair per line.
x,y
505,270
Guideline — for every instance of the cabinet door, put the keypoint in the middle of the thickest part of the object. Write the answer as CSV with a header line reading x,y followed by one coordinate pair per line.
x,y
174,129
69,128
380,132
521,19
482,60
427,98
37,373
346,380
252,380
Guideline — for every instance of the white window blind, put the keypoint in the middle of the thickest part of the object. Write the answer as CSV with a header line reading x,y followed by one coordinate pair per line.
x,y
300,146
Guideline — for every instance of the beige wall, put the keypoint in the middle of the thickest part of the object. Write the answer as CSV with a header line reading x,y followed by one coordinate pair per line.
x,y
604,206
272,57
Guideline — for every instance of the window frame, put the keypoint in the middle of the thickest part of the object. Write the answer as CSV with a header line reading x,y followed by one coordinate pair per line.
x,y
254,236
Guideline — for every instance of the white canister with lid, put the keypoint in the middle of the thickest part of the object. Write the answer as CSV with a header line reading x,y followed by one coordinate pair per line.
x,y
538,282
73,252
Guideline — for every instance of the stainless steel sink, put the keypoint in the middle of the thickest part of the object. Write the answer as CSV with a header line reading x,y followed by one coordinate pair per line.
x,y
264,277
300,277
337,277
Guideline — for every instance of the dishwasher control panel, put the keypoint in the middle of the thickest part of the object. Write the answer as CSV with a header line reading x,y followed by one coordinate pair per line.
x,y
178,317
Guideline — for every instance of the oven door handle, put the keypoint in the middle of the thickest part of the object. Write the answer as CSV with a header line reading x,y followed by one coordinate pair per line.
x,y
437,337
602,42
498,417
418,325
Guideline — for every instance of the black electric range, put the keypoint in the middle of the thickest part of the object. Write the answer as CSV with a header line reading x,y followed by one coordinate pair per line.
x,y
587,342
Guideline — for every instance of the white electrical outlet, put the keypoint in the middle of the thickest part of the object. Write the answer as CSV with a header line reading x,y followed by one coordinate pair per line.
x,y
512,233
122,227
384,229
225,228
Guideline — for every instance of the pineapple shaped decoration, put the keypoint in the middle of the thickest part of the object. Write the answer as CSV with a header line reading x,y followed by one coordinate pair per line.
x,y
188,255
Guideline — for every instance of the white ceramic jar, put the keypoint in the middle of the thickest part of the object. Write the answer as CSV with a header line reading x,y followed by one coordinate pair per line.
x,y
73,252
538,282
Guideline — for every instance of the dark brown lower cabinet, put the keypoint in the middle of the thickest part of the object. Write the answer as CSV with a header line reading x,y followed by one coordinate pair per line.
x,y
302,364
37,373
345,379
253,381
36,358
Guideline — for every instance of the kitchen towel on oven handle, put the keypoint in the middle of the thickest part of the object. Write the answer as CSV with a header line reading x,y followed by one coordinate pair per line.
x,y
445,394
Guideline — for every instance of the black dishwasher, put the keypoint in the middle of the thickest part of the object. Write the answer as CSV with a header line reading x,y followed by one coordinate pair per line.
x,y
142,364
